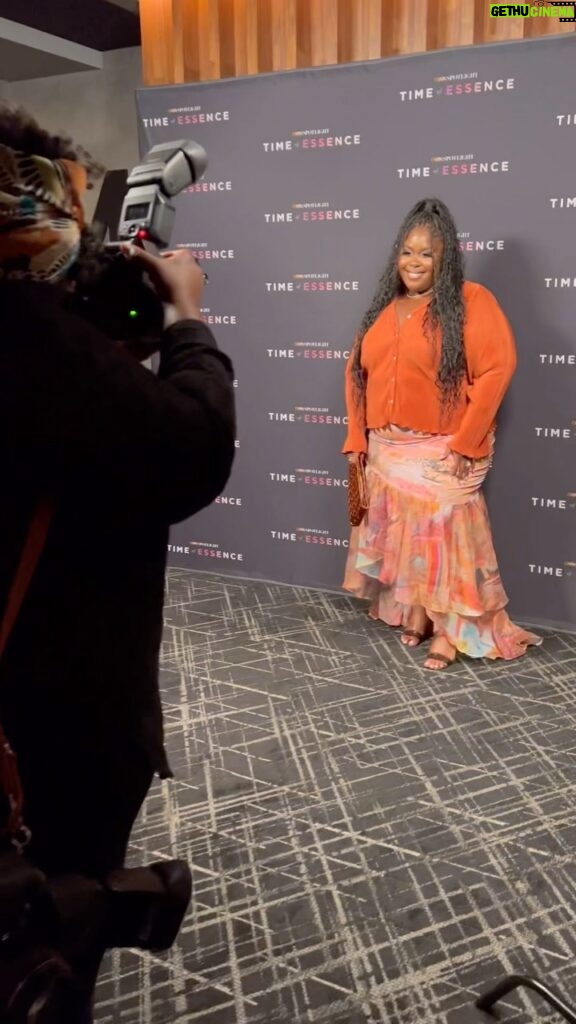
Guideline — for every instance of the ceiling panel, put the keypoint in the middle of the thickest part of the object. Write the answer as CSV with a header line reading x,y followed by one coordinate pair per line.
x,y
99,24
19,62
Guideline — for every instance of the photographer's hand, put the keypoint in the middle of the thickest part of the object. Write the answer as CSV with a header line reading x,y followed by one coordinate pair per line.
x,y
176,278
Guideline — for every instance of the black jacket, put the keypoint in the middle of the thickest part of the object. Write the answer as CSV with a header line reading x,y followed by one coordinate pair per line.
x,y
124,454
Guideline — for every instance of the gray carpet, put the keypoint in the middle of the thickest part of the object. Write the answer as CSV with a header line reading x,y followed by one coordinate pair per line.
x,y
370,842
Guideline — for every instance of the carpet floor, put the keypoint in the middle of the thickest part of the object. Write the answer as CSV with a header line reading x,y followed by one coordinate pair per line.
x,y
370,842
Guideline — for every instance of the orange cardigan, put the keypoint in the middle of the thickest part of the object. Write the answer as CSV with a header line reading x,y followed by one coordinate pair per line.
x,y
401,366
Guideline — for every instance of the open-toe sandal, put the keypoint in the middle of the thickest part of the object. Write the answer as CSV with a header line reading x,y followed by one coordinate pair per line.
x,y
416,634
445,662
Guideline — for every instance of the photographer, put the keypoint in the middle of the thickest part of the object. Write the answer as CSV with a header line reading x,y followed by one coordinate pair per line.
x,y
121,454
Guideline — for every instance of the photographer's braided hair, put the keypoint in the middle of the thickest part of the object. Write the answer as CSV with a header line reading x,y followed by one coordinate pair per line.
x,y
445,313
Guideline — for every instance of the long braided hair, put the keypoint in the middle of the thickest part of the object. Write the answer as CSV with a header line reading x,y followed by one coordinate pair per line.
x,y
445,312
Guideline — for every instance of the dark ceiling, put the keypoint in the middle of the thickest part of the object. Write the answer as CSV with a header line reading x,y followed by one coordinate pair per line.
x,y
94,23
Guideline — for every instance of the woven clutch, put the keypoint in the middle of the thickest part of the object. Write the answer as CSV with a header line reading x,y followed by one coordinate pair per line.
x,y
357,493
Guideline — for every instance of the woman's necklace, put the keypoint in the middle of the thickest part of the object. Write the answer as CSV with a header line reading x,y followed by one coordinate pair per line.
x,y
419,295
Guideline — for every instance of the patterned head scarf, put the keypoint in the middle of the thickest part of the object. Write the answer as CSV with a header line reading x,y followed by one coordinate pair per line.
x,y
41,215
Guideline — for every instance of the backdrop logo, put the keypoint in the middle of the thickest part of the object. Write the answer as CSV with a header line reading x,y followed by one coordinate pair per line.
x,y
312,213
304,535
466,164
557,358
219,319
560,282
566,120
200,549
312,283
309,478
464,84
157,122
555,571
200,116
183,116
555,433
312,138
469,244
201,251
563,203
309,415
554,504
228,500
210,186
320,351
541,9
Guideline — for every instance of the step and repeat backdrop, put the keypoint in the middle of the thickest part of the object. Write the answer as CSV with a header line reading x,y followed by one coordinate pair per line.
x,y
310,174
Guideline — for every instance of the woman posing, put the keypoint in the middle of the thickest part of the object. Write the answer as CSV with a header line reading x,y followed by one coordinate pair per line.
x,y
429,369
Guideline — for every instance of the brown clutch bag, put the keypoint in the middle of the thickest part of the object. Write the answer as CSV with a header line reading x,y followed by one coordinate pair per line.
x,y
357,493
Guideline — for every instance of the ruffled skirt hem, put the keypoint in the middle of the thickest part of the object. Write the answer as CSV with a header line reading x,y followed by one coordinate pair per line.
x,y
426,542
492,635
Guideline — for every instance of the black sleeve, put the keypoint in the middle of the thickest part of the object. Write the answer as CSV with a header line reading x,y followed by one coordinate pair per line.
x,y
81,409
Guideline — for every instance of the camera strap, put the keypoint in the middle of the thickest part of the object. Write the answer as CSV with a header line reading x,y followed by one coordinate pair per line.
x,y
10,784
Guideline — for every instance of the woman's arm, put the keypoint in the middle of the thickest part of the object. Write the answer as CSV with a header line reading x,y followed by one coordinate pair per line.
x,y
356,442
491,361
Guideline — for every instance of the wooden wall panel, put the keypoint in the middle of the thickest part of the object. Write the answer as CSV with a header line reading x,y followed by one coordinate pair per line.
x,y
239,37
537,27
404,27
276,31
158,29
199,40
359,30
199,23
227,37
317,33
283,17
497,30
450,23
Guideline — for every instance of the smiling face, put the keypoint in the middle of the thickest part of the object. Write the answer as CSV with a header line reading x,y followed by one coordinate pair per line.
x,y
419,260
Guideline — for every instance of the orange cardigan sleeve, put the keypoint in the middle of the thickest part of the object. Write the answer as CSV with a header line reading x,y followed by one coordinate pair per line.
x,y
491,361
356,440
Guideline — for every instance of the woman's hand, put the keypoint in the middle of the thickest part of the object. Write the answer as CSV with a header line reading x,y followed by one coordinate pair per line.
x,y
356,458
458,465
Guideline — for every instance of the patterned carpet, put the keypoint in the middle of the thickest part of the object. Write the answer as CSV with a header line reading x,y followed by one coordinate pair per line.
x,y
370,842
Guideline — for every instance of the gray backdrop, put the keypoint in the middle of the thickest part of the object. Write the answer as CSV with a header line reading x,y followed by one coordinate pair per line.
x,y
310,173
